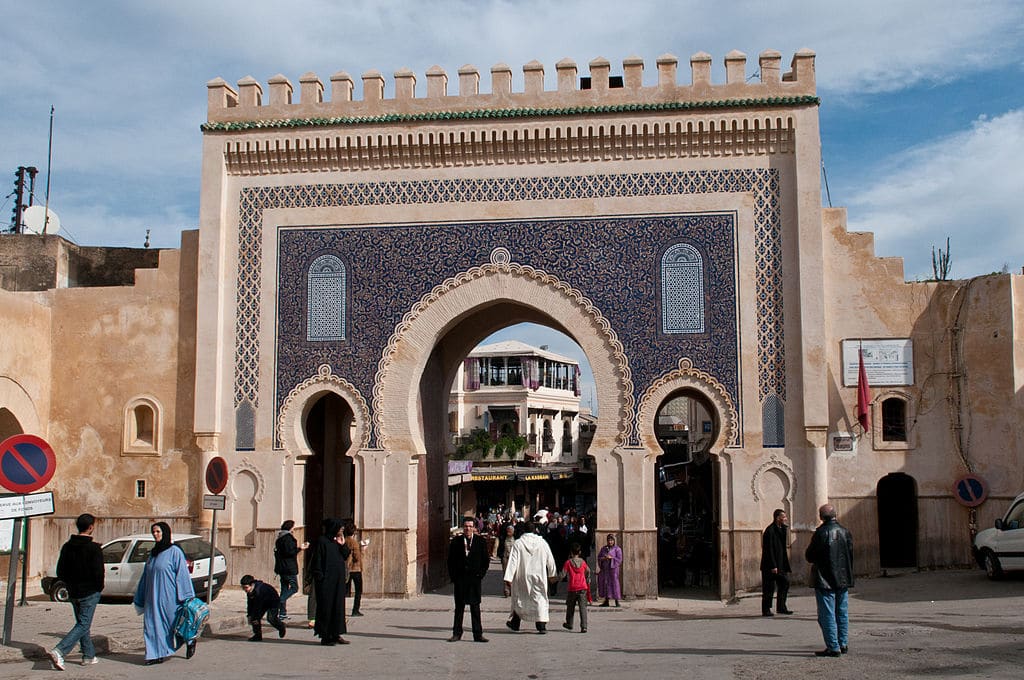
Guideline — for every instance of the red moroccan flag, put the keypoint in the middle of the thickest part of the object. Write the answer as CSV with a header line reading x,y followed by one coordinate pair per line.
x,y
863,395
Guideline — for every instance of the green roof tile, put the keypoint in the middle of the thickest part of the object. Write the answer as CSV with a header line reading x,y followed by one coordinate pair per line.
x,y
803,100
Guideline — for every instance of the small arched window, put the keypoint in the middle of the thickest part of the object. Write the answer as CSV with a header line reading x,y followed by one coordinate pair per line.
x,y
682,290
141,429
894,420
325,299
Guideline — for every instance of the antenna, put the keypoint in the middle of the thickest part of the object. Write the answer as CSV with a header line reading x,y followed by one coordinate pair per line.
x,y
49,157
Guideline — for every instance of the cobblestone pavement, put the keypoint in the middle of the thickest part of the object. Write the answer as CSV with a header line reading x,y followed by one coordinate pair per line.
x,y
936,624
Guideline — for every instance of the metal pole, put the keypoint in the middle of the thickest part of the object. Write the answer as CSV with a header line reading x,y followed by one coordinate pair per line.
x,y
213,551
24,567
49,158
12,578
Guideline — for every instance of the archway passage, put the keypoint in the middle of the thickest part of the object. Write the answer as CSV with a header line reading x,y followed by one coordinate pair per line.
x,y
9,425
897,521
521,482
686,495
328,479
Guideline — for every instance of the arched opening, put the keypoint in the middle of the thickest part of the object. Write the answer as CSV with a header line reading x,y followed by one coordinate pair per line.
x,y
419,364
143,420
897,522
244,508
512,405
523,377
686,495
9,425
328,479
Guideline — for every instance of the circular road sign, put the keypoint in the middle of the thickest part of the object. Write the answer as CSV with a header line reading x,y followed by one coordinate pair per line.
x,y
216,475
970,491
27,463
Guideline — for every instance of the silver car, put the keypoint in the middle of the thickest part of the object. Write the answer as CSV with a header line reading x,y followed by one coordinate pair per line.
x,y
124,559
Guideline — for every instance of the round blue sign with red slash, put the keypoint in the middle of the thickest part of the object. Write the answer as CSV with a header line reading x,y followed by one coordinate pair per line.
x,y
970,491
216,475
27,463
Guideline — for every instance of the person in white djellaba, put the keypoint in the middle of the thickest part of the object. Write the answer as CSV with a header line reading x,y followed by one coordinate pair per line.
x,y
530,567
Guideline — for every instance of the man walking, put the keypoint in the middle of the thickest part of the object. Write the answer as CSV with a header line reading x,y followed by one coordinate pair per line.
x,y
775,564
530,567
286,563
467,566
831,557
80,566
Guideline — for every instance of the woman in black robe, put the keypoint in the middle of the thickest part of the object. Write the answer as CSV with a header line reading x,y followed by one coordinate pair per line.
x,y
328,570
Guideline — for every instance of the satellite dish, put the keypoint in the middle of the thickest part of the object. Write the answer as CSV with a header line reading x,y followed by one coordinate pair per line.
x,y
35,219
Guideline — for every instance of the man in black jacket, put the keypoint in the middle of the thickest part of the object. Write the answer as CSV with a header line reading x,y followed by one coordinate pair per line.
x,y
775,564
286,564
831,557
467,566
80,567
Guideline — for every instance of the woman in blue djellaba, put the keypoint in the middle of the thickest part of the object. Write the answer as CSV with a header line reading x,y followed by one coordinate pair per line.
x,y
164,585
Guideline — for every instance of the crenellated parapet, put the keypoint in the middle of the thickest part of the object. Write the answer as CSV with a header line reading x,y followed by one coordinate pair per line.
x,y
598,117
250,106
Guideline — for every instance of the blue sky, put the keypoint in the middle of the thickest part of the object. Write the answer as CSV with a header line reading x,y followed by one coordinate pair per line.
x,y
922,114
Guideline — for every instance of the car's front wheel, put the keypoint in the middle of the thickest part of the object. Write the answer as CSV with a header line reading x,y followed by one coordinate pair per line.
x,y
59,592
993,569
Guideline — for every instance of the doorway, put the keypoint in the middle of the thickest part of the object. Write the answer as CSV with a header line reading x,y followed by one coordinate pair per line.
x,y
686,497
328,479
897,521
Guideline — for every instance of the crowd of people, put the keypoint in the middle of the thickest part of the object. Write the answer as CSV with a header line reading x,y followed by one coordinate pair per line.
x,y
536,554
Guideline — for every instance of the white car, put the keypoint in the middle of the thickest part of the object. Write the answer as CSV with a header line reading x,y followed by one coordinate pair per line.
x,y
124,559
1001,548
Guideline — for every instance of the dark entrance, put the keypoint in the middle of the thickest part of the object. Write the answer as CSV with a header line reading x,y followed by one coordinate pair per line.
x,y
328,482
9,425
897,521
687,504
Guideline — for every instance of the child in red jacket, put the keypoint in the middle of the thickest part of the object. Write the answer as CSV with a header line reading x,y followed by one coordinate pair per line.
x,y
578,574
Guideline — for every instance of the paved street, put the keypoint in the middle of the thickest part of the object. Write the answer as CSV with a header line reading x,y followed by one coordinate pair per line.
x,y
937,624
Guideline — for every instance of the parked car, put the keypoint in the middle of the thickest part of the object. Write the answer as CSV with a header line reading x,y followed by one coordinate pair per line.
x,y
124,559
1001,548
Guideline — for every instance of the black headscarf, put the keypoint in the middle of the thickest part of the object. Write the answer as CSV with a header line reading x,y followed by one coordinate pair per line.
x,y
165,538
331,527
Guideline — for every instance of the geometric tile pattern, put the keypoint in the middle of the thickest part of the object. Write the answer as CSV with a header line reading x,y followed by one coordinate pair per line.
x,y
682,290
545,242
325,318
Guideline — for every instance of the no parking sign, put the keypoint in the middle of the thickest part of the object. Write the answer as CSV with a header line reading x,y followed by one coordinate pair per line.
x,y
970,491
27,463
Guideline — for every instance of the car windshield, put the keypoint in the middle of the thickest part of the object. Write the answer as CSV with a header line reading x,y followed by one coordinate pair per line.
x,y
197,548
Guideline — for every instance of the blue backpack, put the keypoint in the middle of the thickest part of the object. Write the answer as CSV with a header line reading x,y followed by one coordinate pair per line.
x,y
190,619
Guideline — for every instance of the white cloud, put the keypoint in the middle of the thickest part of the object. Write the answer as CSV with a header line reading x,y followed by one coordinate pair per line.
x,y
128,78
967,186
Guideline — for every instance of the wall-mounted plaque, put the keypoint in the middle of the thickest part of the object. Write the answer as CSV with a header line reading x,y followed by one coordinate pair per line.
x,y
887,361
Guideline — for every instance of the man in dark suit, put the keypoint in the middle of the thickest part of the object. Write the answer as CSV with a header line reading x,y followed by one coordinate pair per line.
x,y
775,564
467,564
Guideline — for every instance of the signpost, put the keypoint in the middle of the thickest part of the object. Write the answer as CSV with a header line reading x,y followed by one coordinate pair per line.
x,y
27,463
216,481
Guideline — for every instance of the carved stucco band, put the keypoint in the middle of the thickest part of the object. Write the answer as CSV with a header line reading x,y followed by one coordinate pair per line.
x,y
290,420
501,265
689,376
784,468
